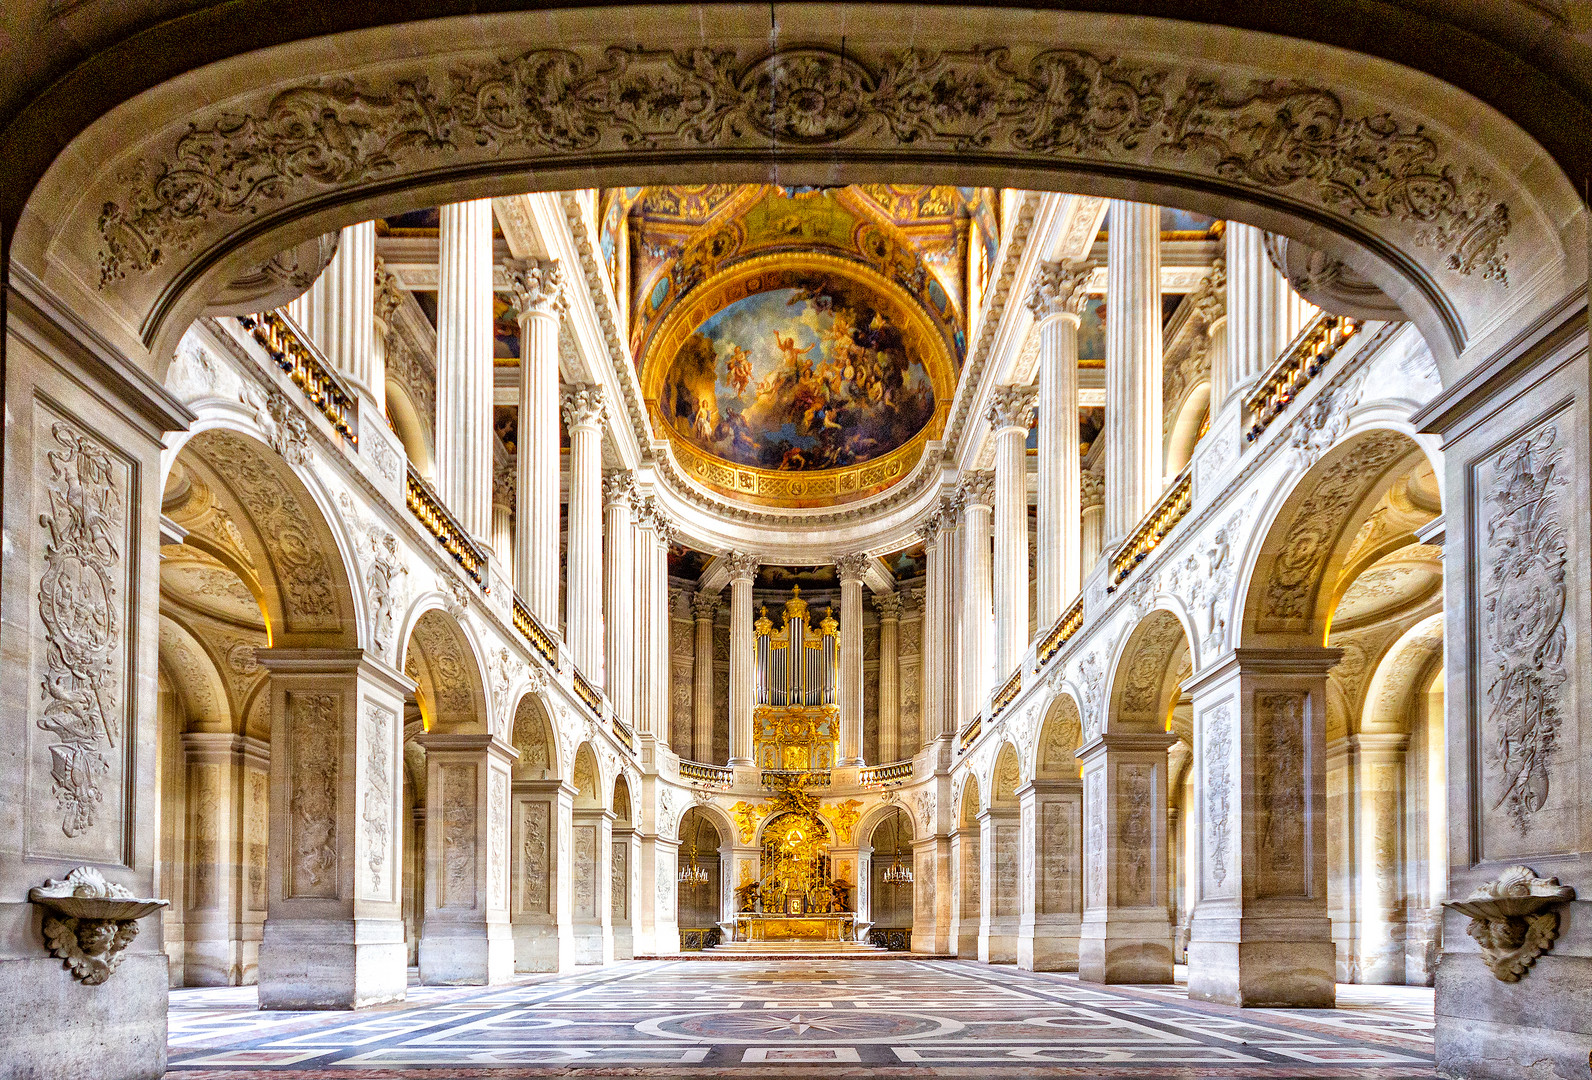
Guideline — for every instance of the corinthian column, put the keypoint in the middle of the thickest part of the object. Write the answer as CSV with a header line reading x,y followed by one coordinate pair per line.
x,y
704,606
1092,519
619,595
1210,304
1133,365
538,291
338,311
1008,419
464,367
658,627
388,298
888,605
584,413
1057,302
502,507
1263,312
851,567
975,498
933,707
743,571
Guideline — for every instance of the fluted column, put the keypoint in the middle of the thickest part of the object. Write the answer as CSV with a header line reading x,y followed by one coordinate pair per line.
x,y
1008,419
947,669
1092,519
538,292
502,509
1057,302
976,499
619,595
658,626
584,413
1134,454
933,707
338,310
641,601
704,606
851,567
1263,311
743,570
888,605
464,369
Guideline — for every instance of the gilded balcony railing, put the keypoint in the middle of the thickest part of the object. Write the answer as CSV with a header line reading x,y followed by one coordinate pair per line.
x,y
320,384
1172,508
425,505
1007,694
623,733
804,777
970,733
532,631
1070,623
717,775
1309,353
895,772
587,693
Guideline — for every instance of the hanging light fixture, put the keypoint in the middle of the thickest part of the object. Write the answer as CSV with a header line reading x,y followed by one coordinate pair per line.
x,y
898,874
693,875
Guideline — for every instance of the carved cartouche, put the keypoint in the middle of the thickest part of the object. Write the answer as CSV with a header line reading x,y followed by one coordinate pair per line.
x,y
1512,919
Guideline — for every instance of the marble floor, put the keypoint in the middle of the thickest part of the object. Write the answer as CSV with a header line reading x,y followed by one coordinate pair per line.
x,y
848,1018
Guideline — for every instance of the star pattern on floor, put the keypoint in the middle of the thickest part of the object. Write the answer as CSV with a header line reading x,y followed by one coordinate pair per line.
x,y
798,1024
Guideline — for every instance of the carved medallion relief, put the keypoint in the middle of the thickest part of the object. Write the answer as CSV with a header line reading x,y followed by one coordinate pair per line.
x,y
77,741
1058,853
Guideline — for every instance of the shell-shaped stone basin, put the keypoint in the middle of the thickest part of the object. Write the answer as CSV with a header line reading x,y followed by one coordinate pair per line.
x,y
119,909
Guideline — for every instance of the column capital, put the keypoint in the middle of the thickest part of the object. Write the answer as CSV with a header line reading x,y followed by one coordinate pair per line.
x,y
1210,298
1091,490
536,285
619,487
852,566
1011,407
705,605
928,530
585,406
888,605
976,489
503,481
1060,289
742,565
389,295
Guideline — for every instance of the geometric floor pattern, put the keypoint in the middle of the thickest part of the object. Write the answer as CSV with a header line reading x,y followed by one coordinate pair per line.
x,y
829,1018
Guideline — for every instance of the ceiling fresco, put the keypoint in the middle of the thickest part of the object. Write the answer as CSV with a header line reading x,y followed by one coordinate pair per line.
x,y
799,346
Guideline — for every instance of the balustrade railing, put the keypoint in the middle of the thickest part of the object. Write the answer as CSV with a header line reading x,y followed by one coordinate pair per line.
x,y
1070,623
1006,694
895,772
970,733
439,522
806,777
589,694
1173,508
308,371
532,631
623,733
717,775
1309,353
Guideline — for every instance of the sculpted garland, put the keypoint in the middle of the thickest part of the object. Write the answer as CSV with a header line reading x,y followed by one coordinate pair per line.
x,y
1276,136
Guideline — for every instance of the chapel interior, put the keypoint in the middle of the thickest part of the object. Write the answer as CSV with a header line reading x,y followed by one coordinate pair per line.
x,y
657,539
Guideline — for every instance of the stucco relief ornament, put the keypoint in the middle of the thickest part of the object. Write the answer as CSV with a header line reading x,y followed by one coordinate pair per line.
x,y
283,426
1524,601
1512,919
1092,677
455,595
668,811
385,573
1324,421
923,807
91,921
84,522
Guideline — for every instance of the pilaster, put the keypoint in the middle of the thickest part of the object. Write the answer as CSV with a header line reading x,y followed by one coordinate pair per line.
x,y
999,910
542,921
1052,882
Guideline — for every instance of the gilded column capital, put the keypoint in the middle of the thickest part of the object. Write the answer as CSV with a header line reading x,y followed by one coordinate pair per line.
x,y
536,286
852,566
585,406
1011,407
1059,289
742,565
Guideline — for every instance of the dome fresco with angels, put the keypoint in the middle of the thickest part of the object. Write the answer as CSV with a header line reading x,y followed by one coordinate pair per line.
x,y
799,347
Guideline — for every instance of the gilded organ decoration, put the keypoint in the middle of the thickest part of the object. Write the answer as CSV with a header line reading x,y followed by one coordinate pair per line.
x,y
796,715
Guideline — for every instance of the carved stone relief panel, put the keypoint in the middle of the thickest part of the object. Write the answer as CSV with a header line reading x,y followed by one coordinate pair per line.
x,y
1006,857
535,875
1094,861
1280,795
314,763
456,886
1217,857
1058,855
1135,834
205,853
77,744
376,793
497,828
1523,549
257,794
620,899
585,870
923,889
971,873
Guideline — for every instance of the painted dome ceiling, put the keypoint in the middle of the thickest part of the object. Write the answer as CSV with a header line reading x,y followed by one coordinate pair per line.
x,y
799,348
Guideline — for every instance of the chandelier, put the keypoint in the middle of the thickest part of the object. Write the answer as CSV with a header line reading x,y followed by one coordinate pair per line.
x,y
693,875
898,874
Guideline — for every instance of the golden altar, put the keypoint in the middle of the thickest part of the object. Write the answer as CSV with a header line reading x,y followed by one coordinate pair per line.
x,y
833,927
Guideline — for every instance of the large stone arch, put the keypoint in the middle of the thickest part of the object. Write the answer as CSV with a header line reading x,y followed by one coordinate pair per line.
x,y
441,656
1059,738
1143,680
195,676
586,775
245,506
532,735
157,205
1303,554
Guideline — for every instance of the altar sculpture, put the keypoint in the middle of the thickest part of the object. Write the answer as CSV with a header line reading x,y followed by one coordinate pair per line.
x,y
796,896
